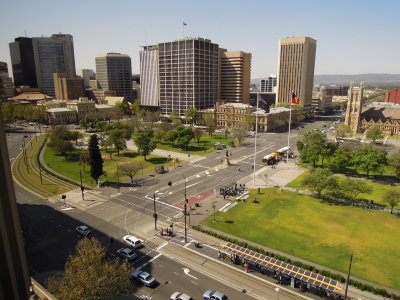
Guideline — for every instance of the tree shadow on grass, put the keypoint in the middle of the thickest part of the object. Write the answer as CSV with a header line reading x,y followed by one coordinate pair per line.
x,y
72,157
157,160
130,154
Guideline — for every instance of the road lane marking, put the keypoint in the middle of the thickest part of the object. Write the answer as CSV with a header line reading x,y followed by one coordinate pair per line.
x,y
187,271
150,261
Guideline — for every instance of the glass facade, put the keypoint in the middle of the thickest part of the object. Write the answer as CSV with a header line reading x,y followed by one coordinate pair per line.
x,y
23,63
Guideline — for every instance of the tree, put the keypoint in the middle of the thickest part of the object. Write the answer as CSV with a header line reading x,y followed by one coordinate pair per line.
x,y
340,160
198,133
152,116
85,123
116,138
352,188
394,162
88,275
241,131
369,159
7,111
122,107
61,146
374,133
130,169
392,198
170,136
192,115
83,160
158,136
319,180
342,131
144,142
184,136
313,146
95,159
108,146
75,136
210,122
327,151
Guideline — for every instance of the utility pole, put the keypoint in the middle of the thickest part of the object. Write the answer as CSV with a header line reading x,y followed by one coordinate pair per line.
x,y
185,221
154,210
118,177
348,277
40,173
82,187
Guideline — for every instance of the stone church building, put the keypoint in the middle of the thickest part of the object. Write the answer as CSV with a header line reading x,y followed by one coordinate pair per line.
x,y
360,118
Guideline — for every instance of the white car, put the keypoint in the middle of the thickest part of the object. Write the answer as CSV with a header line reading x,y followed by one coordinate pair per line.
x,y
83,230
132,241
180,296
144,277
127,253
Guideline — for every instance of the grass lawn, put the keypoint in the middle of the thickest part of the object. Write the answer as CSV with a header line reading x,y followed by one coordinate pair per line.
x,y
205,146
70,166
319,232
378,190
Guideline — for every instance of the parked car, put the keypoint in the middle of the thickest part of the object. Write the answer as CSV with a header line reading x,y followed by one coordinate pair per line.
x,y
214,295
127,253
180,296
132,241
83,230
144,277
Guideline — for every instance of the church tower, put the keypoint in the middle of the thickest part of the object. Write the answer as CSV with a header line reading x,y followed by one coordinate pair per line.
x,y
354,106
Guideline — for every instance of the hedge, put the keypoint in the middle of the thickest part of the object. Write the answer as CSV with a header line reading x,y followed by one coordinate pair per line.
x,y
338,277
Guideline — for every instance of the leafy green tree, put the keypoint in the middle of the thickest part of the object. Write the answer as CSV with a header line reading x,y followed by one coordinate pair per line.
x,y
88,275
369,159
342,131
374,133
144,142
198,133
166,126
130,169
95,159
184,136
85,123
116,138
340,160
84,160
99,126
61,146
7,111
158,136
170,136
394,162
108,146
319,180
327,151
192,115
241,132
392,198
210,122
313,145
152,116
75,136
352,188
122,107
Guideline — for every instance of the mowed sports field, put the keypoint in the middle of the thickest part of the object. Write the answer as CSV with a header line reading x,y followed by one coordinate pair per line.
x,y
319,232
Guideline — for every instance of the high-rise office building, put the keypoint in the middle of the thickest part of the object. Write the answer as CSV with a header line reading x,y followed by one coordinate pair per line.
x,y
68,88
149,75
6,84
53,54
269,85
14,275
188,75
296,69
235,76
50,55
114,73
87,75
23,62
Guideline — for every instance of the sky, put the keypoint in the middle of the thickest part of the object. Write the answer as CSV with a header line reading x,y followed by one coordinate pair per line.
x,y
353,36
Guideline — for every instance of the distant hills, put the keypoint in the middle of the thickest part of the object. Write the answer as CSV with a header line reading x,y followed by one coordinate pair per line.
x,y
371,79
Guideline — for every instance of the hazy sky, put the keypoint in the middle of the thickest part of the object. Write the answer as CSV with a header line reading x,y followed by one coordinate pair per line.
x,y
353,36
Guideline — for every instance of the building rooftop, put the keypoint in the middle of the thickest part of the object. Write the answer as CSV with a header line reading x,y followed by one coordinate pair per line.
x,y
59,109
236,105
103,106
31,96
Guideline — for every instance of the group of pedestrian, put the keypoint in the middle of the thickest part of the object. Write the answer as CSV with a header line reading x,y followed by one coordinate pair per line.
x,y
233,191
166,231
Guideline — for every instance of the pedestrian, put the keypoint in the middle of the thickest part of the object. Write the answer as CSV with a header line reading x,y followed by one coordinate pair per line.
x,y
161,231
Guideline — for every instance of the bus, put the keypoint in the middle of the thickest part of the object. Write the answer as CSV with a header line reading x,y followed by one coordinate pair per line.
x,y
283,152
269,159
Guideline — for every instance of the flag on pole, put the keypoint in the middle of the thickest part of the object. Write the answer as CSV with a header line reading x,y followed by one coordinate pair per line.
x,y
295,100
262,103
184,24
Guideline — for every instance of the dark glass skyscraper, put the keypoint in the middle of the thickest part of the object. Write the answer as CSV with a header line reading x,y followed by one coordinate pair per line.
x,y
23,62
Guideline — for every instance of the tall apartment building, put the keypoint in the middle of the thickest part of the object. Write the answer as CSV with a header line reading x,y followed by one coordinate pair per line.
x,y
114,73
188,75
87,75
269,85
14,275
50,55
149,76
23,62
6,84
68,88
235,76
296,69
393,96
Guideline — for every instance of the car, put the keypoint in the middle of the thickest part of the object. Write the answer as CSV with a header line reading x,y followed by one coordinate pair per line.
x,y
180,296
144,277
214,295
127,253
132,241
83,230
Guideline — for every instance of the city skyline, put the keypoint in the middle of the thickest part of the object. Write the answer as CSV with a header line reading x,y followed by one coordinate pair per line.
x,y
352,38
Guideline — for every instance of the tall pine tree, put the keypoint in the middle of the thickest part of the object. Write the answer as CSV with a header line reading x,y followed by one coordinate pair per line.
x,y
95,160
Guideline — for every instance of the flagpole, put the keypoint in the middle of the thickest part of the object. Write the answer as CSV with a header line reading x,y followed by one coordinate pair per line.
x,y
255,146
183,30
290,121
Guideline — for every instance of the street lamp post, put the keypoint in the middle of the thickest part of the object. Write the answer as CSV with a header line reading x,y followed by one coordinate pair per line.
x,y
185,220
221,163
40,174
118,177
64,197
154,210
82,187
278,291
213,206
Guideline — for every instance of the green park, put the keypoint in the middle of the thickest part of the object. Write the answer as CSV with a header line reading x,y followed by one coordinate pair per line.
x,y
318,231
